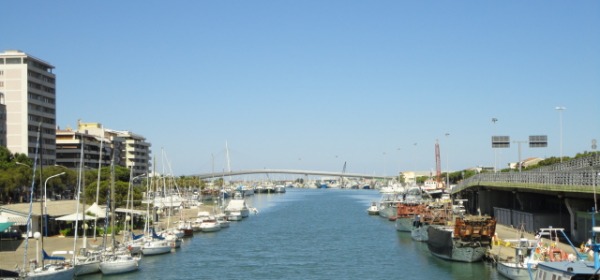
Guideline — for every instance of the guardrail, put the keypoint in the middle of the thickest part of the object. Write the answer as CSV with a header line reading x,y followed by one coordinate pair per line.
x,y
574,164
576,175
574,181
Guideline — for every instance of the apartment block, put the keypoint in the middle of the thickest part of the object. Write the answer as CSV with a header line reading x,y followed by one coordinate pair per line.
x,y
131,150
96,150
29,89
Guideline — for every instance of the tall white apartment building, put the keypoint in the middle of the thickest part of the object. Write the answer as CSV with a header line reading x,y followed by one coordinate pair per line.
x,y
29,89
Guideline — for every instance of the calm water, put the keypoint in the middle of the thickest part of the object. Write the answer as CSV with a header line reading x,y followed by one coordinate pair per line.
x,y
306,234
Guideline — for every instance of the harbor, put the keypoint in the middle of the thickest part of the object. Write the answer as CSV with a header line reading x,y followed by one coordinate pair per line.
x,y
304,233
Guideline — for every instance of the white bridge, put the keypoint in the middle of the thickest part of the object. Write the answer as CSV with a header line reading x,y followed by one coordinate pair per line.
x,y
290,171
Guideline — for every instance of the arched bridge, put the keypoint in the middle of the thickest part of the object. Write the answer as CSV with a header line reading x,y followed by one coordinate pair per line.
x,y
291,171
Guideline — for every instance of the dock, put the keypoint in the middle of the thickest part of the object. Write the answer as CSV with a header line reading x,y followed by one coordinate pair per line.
x,y
13,251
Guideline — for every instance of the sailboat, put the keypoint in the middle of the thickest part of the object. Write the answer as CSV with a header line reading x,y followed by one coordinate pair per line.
x,y
117,261
87,261
57,268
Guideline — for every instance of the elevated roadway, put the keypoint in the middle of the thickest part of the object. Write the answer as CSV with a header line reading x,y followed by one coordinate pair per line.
x,y
561,195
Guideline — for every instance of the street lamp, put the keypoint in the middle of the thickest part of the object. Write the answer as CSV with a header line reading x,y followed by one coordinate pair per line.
x,y
560,109
37,236
46,202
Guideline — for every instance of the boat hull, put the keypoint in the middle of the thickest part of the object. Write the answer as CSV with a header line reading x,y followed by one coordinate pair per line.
x,y
65,273
442,244
404,224
87,268
419,233
119,267
514,271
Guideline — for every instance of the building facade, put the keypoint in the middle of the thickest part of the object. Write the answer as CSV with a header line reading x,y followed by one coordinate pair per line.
x,y
96,150
130,150
2,120
29,89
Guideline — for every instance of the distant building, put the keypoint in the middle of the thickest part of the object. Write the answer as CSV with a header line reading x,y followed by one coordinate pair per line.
x,y
130,150
68,149
29,89
525,163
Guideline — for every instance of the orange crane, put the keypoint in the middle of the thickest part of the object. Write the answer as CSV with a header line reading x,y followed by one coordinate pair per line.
x,y
438,166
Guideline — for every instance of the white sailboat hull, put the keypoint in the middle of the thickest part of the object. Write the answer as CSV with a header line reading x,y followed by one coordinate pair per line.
x,y
52,273
119,266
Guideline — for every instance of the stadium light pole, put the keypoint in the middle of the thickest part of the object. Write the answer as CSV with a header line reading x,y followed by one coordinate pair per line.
x,y
560,110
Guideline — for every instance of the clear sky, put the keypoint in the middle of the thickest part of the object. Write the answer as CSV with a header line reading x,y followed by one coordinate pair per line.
x,y
314,84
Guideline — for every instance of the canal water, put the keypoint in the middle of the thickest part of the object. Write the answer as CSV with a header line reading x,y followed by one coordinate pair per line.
x,y
306,234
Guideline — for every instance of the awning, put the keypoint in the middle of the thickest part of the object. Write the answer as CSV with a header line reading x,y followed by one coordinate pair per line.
x,y
17,220
96,211
5,225
75,217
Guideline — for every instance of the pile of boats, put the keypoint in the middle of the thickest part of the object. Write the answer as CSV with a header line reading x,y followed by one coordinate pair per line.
x,y
452,234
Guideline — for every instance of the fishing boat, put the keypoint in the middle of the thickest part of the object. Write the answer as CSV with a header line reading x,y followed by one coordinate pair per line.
x,y
467,240
516,267
579,265
436,213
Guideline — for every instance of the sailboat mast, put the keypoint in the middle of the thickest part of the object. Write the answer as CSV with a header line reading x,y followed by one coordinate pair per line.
x,y
78,198
41,186
98,181
112,198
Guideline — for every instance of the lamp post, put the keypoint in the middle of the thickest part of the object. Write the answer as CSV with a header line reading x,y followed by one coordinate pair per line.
x,y
560,109
37,236
46,203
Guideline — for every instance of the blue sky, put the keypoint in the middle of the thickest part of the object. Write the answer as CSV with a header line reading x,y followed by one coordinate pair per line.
x,y
314,84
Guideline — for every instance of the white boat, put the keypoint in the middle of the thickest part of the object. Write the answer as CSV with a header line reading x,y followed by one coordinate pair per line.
x,y
52,272
153,247
222,220
519,266
279,189
237,205
573,266
234,216
119,263
373,209
87,262
210,225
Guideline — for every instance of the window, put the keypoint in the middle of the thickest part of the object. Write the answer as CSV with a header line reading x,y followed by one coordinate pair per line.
x,y
13,60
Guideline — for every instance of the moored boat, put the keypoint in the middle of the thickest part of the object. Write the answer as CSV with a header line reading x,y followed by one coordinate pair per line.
x,y
118,264
465,241
373,209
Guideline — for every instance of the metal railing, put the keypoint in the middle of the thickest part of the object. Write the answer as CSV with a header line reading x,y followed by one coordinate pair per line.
x,y
575,181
